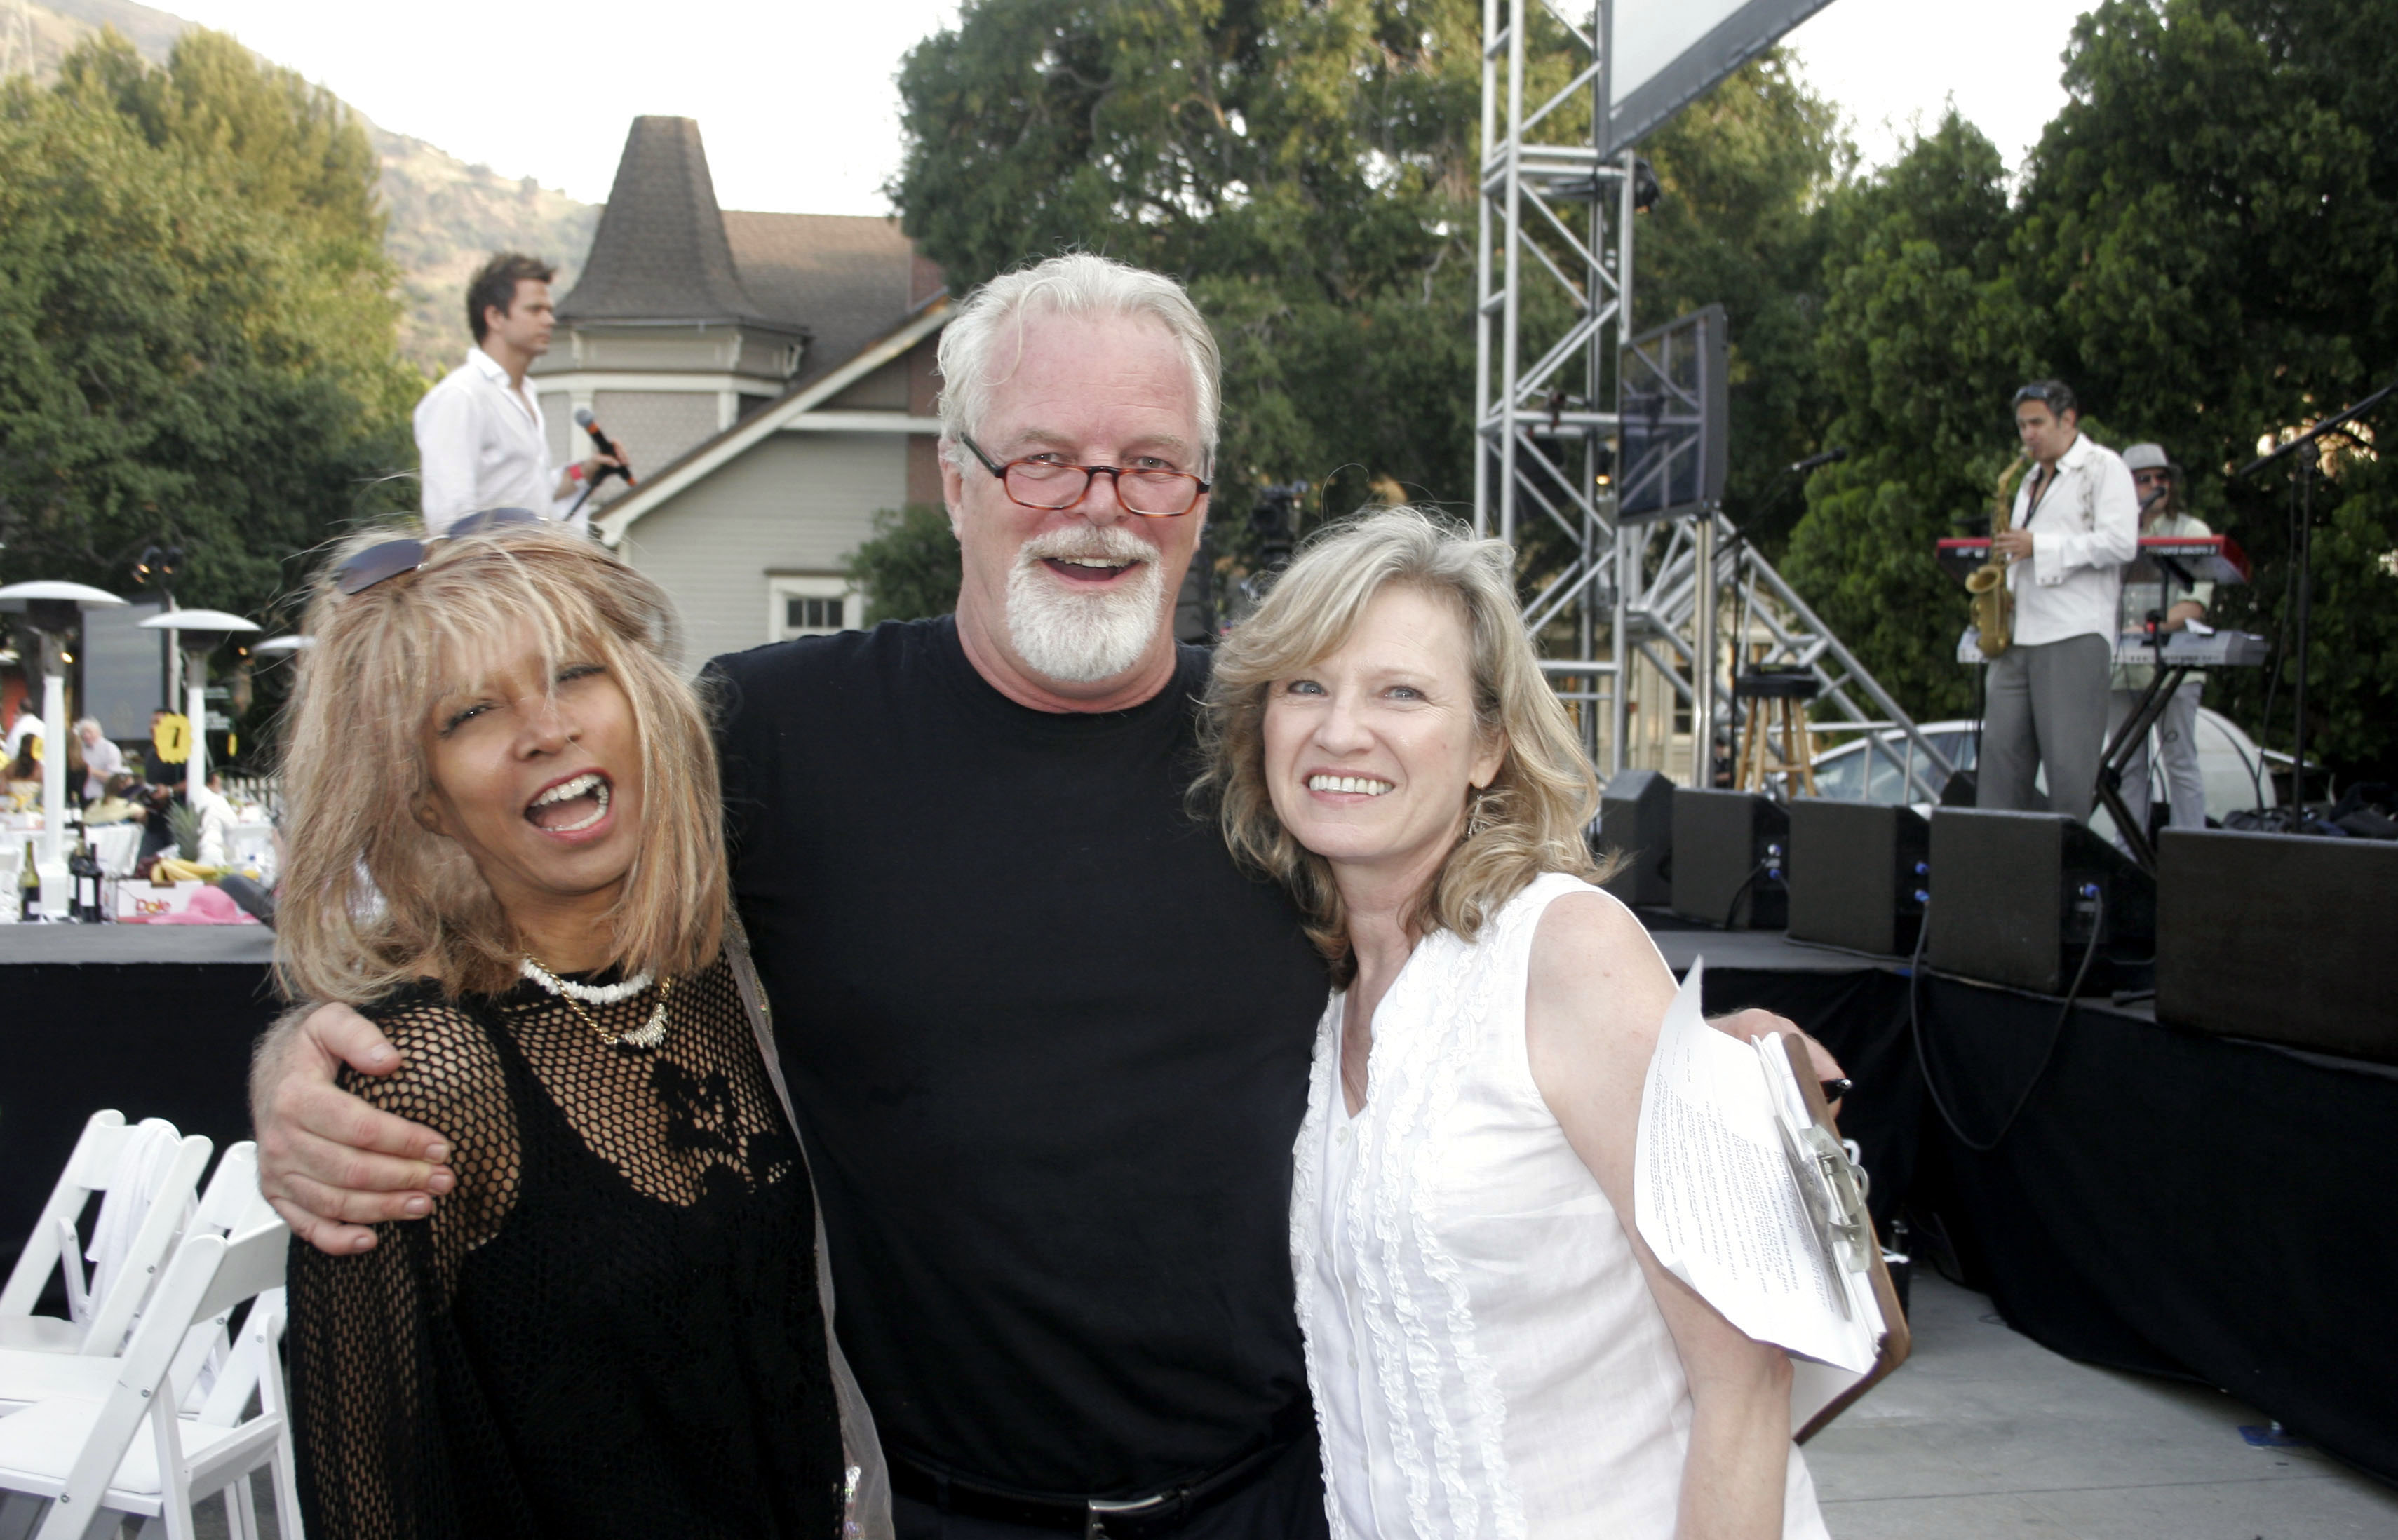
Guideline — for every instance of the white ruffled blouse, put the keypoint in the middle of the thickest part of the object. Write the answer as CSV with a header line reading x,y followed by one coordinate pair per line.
x,y
1484,1352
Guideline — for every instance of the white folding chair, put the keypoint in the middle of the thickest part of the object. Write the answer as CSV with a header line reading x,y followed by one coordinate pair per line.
x,y
232,1202
87,1454
97,1326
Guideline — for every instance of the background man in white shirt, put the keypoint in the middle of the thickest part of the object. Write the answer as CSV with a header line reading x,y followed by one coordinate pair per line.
x,y
480,440
100,758
2076,524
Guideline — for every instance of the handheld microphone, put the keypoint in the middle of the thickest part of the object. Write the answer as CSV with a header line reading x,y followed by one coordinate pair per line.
x,y
1829,457
583,420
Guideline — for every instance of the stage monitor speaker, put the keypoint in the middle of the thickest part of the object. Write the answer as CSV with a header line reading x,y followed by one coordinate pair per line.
x,y
1858,875
2285,938
1636,816
1728,859
2015,897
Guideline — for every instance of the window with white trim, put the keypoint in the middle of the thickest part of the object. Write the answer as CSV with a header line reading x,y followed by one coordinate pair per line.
x,y
812,606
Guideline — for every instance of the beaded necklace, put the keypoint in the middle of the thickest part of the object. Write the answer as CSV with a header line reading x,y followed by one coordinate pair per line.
x,y
578,996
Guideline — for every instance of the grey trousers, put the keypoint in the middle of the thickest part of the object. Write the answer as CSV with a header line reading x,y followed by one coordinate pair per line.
x,y
2176,738
2047,708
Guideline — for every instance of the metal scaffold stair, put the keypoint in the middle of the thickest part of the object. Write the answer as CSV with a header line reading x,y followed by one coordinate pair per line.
x,y
1613,603
1771,625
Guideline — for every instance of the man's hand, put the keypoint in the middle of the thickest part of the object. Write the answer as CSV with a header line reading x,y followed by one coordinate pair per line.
x,y
2013,544
329,1163
1750,1024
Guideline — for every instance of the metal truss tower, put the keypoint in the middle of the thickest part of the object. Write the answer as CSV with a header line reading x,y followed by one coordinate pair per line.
x,y
1625,612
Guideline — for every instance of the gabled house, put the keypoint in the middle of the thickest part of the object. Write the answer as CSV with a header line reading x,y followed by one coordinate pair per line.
x,y
769,375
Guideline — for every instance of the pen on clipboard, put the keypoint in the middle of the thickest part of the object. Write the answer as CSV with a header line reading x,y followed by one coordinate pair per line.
x,y
1834,1090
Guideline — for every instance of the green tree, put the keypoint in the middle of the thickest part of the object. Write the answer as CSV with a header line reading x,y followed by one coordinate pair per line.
x,y
2201,248
1306,167
909,567
1744,172
1924,336
197,328
2209,226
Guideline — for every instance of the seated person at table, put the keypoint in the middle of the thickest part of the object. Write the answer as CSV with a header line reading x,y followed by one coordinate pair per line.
x,y
118,802
506,849
25,775
1492,1348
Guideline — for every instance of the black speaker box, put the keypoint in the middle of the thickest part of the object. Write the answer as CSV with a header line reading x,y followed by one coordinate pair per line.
x,y
1857,873
2015,897
1636,816
2280,937
1728,859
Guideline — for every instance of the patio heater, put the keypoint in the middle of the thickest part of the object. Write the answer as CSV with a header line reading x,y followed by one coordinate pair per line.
x,y
200,632
54,613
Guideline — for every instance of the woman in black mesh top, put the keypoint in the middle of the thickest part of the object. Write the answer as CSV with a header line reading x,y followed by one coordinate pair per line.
x,y
505,850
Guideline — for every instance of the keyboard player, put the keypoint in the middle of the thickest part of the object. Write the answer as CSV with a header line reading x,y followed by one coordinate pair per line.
x,y
2151,591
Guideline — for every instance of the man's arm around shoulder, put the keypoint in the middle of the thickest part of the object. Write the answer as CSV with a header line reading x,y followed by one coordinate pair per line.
x,y
331,1165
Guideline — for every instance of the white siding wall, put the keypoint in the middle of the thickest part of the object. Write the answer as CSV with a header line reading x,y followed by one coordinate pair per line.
x,y
655,428
557,418
797,502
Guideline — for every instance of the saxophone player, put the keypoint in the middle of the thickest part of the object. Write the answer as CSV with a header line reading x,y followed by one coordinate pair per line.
x,y
2075,527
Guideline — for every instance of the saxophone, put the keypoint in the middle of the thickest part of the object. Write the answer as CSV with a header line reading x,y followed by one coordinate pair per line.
x,y
1994,603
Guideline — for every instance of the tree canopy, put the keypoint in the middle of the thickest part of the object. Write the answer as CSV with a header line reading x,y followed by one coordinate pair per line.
x,y
197,322
1307,169
2203,245
2201,242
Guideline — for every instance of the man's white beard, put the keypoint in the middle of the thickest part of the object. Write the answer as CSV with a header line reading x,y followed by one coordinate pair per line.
x,y
1082,637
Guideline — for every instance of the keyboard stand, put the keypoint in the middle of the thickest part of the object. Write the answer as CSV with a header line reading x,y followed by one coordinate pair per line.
x,y
2127,742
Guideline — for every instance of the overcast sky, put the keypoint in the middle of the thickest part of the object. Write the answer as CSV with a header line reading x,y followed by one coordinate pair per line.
x,y
799,111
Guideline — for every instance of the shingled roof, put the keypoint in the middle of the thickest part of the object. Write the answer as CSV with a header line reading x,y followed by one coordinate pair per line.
x,y
661,254
847,279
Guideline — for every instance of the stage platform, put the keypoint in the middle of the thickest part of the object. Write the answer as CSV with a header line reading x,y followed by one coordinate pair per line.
x,y
2214,1210
1985,1434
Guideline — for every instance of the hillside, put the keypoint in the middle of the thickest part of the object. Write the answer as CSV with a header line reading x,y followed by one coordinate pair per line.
x,y
444,215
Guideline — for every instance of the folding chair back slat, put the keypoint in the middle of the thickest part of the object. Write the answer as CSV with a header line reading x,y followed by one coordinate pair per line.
x,y
103,1129
113,1313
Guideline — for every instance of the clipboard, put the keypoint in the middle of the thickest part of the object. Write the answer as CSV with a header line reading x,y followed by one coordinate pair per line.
x,y
1844,1188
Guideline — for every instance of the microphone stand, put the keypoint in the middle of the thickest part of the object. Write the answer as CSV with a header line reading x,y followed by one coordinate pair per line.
x,y
2301,561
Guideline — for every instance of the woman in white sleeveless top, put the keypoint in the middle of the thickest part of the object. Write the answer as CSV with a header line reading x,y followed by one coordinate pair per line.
x,y
1492,1351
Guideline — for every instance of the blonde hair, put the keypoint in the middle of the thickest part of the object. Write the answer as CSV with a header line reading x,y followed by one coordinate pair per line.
x,y
1081,285
1531,819
372,900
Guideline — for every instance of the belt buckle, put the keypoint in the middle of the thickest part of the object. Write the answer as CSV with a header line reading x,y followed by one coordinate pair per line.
x,y
1096,1512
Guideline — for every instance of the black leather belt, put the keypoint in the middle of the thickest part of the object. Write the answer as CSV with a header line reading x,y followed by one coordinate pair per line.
x,y
1160,1512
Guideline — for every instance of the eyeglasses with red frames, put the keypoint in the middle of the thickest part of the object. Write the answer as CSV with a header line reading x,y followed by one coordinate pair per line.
x,y
1053,485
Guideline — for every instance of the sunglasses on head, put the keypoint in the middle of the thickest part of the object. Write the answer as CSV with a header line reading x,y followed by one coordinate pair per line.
x,y
393,557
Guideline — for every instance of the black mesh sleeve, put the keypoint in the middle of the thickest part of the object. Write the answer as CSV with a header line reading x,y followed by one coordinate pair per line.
x,y
372,1422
